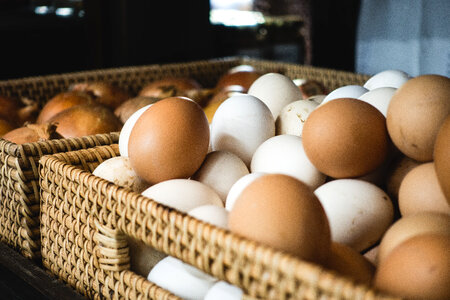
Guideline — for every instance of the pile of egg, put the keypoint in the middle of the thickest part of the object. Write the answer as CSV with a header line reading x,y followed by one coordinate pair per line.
x,y
356,180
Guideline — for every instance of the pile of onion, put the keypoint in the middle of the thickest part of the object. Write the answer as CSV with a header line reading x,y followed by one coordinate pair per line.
x,y
31,133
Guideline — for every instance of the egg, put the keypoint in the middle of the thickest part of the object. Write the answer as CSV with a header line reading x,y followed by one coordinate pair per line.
x,y
240,125
359,212
346,91
238,187
418,268
183,194
276,91
350,263
420,191
412,225
169,140
293,116
310,87
124,135
240,77
345,138
282,212
118,170
224,291
143,257
442,157
379,98
397,172
415,114
212,214
387,78
171,274
220,170
284,154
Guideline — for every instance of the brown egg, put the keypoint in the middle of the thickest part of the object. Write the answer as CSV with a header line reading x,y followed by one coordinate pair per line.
x,y
350,263
214,103
169,87
412,225
242,78
442,157
397,171
418,268
345,138
420,191
169,140
282,212
415,114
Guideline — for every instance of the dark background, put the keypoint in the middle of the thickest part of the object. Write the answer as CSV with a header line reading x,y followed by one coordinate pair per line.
x,y
114,33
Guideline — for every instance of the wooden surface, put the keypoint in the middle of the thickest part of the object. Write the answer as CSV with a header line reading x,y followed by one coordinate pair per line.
x,y
21,278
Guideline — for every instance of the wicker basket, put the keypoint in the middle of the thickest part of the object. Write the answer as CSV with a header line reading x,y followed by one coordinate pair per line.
x,y
85,221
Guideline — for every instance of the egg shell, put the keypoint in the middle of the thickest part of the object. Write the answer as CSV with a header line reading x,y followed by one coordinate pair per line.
x,y
224,291
387,78
212,214
282,212
350,263
418,268
346,91
442,157
183,194
118,170
379,98
412,225
243,78
346,138
284,154
124,135
372,255
293,116
238,187
415,114
220,170
169,140
240,125
143,257
420,191
276,91
172,275
397,172
317,98
359,212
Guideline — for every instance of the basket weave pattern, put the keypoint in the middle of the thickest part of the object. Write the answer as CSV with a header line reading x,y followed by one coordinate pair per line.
x,y
85,220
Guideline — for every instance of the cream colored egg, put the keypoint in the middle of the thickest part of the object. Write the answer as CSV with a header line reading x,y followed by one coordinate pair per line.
x,y
387,78
347,91
118,170
124,135
220,170
359,212
238,187
183,194
276,91
240,125
224,291
284,154
212,214
379,97
293,116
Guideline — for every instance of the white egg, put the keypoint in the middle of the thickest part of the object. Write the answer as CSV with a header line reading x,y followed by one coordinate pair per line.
x,y
240,125
238,187
359,212
172,275
212,214
284,154
118,170
183,194
220,170
276,91
387,78
379,98
347,91
126,130
222,290
317,98
293,116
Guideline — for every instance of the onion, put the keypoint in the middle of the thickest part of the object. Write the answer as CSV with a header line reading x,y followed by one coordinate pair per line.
x,y
5,126
18,111
61,102
169,87
129,107
32,133
28,113
8,109
104,92
86,119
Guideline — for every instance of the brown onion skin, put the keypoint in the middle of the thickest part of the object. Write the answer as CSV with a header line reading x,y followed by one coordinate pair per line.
x,y
32,133
169,87
127,108
104,92
5,126
61,102
8,109
86,119
240,78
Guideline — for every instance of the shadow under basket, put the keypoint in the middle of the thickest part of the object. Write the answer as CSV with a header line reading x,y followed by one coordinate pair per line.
x,y
86,220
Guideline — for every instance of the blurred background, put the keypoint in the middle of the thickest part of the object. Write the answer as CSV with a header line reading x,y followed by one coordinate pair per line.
x,y
40,37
